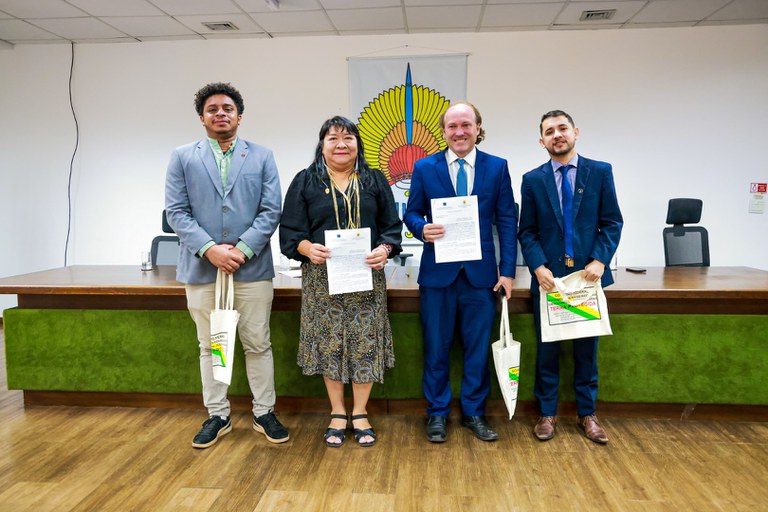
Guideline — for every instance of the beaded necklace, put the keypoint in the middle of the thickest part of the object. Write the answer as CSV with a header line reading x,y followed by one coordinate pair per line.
x,y
351,195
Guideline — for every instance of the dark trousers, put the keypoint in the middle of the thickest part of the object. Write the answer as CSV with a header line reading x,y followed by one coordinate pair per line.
x,y
548,371
473,311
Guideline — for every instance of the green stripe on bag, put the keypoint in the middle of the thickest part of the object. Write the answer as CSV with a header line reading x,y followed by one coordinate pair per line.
x,y
573,309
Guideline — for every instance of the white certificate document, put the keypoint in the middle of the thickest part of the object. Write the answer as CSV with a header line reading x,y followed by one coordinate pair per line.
x,y
460,217
347,271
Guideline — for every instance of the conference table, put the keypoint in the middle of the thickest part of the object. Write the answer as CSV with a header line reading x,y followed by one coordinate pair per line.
x,y
685,290
682,335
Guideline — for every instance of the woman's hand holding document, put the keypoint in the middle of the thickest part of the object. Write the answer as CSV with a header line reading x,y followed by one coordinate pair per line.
x,y
347,269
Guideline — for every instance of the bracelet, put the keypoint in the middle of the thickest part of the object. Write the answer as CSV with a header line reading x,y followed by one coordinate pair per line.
x,y
387,248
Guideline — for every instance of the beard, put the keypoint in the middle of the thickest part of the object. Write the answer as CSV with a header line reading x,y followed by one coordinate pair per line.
x,y
560,152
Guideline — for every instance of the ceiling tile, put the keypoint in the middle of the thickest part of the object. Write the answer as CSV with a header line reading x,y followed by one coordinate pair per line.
x,y
244,24
117,7
194,7
427,3
665,11
624,11
79,28
356,4
17,30
368,19
520,15
146,26
671,24
285,5
381,32
303,21
465,17
742,9
39,9
493,2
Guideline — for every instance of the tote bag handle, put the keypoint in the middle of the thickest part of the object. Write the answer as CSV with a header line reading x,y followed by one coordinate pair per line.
x,y
224,291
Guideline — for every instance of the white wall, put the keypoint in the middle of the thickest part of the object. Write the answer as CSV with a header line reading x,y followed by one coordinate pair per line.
x,y
679,112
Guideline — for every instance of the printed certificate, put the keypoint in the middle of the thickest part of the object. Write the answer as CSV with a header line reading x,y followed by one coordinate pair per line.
x,y
347,271
460,217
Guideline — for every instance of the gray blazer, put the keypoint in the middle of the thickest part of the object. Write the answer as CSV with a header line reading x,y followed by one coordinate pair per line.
x,y
199,210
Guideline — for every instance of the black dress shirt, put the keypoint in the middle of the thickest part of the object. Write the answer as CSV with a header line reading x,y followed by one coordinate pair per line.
x,y
308,211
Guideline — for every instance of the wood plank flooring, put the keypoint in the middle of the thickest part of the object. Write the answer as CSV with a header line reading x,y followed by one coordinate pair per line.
x,y
129,459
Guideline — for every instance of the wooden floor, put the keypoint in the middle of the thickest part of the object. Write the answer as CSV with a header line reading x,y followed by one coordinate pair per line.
x,y
122,459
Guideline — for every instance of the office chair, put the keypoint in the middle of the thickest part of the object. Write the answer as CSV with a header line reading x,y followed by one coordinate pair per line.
x,y
686,246
402,257
165,248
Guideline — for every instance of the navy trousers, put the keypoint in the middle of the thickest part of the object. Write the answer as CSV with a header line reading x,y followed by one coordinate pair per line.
x,y
471,310
547,382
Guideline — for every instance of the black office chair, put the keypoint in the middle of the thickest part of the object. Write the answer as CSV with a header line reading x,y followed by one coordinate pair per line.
x,y
685,246
402,257
165,248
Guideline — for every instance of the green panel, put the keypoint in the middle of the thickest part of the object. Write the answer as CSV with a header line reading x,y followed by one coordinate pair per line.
x,y
650,358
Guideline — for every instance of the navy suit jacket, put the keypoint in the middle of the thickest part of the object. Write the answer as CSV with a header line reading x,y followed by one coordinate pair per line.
x,y
496,205
597,220
200,210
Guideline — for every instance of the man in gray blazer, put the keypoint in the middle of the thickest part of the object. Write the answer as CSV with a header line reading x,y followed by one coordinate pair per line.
x,y
222,197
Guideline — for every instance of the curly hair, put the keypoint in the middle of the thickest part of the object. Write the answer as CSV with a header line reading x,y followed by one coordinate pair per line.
x,y
218,88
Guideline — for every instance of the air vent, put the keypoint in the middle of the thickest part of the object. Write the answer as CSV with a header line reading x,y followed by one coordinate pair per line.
x,y
601,15
218,26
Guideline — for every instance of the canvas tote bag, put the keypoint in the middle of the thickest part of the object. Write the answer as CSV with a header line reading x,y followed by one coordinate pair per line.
x,y
223,328
576,309
506,359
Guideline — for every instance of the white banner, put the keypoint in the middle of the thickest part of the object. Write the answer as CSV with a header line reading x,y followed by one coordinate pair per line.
x,y
396,103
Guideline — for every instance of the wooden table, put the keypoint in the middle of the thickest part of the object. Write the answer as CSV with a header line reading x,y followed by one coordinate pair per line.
x,y
678,290
683,336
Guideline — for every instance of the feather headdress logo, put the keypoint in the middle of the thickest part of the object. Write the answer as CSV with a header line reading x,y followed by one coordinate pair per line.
x,y
400,126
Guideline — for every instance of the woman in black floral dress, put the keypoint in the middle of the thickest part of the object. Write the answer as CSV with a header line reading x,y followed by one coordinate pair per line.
x,y
344,337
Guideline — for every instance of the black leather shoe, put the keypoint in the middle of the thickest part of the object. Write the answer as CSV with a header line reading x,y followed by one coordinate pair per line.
x,y
436,430
480,427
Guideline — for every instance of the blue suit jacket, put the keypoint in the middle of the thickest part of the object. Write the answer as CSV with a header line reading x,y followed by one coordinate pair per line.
x,y
200,210
597,220
496,205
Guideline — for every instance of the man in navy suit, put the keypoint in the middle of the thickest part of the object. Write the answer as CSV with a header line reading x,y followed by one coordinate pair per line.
x,y
555,245
222,197
461,294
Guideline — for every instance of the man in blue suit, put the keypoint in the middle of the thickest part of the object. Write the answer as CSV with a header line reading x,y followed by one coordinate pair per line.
x,y
461,294
222,197
555,244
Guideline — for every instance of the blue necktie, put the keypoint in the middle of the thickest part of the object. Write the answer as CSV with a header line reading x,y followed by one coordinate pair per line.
x,y
567,192
461,179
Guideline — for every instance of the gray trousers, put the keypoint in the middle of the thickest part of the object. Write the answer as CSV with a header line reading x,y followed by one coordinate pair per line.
x,y
253,301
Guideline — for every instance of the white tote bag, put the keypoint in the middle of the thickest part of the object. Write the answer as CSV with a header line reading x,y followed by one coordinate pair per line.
x,y
223,328
506,359
576,309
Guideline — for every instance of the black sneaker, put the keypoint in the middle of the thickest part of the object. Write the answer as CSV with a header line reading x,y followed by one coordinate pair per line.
x,y
271,427
213,428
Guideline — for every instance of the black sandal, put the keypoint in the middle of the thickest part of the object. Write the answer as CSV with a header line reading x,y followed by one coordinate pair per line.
x,y
335,432
363,432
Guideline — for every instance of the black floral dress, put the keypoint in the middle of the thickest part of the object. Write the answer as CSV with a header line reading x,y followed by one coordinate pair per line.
x,y
345,337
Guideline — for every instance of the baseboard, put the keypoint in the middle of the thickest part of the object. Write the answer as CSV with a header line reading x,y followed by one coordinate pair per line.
x,y
525,408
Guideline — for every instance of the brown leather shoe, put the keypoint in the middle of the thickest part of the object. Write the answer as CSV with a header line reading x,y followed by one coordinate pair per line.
x,y
545,428
592,429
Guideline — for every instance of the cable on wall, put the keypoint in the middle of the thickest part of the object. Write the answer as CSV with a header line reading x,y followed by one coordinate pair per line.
x,y
72,160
